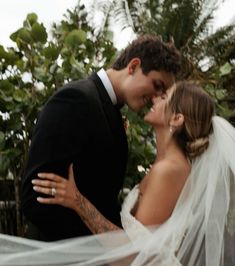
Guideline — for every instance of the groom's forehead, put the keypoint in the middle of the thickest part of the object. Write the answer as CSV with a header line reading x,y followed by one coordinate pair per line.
x,y
167,78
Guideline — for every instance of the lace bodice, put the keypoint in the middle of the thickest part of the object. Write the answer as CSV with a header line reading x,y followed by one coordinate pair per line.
x,y
132,227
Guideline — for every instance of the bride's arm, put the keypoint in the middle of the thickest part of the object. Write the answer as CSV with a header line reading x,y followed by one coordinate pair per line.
x,y
69,196
94,220
65,193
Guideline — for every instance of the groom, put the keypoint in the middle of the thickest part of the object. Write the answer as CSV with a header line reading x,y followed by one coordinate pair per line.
x,y
81,123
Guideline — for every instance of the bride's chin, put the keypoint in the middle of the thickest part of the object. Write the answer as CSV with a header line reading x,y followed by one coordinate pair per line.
x,y
146,119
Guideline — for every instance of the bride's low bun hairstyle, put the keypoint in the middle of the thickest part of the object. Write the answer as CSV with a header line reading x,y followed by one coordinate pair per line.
x,y
197,147
197,107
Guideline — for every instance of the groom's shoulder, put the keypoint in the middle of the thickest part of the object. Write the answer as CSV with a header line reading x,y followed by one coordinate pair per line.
x,y
74,90
81,85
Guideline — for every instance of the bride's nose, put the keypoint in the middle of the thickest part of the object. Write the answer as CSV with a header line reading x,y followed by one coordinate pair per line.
x,y
154,99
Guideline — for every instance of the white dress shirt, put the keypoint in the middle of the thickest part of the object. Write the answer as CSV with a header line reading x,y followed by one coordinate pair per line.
x,y
108,85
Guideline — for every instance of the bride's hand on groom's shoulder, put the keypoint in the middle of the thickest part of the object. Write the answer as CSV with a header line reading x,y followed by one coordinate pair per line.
x,y
63,191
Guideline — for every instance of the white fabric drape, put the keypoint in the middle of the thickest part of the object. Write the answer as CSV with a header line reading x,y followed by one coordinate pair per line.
x,y
200,231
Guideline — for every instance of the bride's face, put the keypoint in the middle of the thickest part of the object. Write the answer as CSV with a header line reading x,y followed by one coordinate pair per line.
x,y
157,115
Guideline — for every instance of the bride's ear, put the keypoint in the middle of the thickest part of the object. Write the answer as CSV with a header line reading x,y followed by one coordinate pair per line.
x,y
177,120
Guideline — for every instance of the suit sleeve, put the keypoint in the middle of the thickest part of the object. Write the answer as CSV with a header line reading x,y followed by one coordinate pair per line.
x,y
61,133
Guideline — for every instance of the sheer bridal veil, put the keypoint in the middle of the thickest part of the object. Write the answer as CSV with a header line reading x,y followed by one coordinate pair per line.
x,y
200,231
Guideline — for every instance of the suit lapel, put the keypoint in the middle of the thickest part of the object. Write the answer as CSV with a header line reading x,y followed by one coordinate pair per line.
x,y
112,112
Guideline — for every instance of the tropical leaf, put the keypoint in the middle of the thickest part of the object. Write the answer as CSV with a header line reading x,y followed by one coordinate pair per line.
x,y
39,33
225,69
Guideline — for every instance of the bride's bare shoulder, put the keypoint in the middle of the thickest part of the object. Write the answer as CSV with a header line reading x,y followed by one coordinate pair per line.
x,y
160,188
169,171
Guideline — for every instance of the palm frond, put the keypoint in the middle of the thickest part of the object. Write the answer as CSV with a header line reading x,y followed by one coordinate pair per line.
x,y
121,12
99,10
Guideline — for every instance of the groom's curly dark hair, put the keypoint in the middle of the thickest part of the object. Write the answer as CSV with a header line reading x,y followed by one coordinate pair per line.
x,y
153,53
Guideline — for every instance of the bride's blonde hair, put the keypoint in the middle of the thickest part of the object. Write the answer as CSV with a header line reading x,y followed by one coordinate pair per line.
x,y
189,99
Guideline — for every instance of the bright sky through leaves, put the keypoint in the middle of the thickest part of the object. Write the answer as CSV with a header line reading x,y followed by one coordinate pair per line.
x,y
13,12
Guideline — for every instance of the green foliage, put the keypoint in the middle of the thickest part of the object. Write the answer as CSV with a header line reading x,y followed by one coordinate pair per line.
x,y
32,18
38,33
223,95
74,38
225,69
141,147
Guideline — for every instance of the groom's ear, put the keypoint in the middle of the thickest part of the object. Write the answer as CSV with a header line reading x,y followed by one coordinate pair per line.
x,y
177,120
133,65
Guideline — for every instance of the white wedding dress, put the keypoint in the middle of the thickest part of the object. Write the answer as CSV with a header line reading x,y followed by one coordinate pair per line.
x,y
136,231
199,232
132,227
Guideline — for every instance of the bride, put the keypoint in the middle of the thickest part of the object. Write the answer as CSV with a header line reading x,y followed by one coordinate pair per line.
x,y
181,213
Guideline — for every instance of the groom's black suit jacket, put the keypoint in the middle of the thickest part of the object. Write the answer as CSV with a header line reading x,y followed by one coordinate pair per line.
x,y
78,124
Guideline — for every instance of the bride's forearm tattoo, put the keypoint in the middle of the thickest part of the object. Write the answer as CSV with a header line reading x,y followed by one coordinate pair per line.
x,y
94,220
